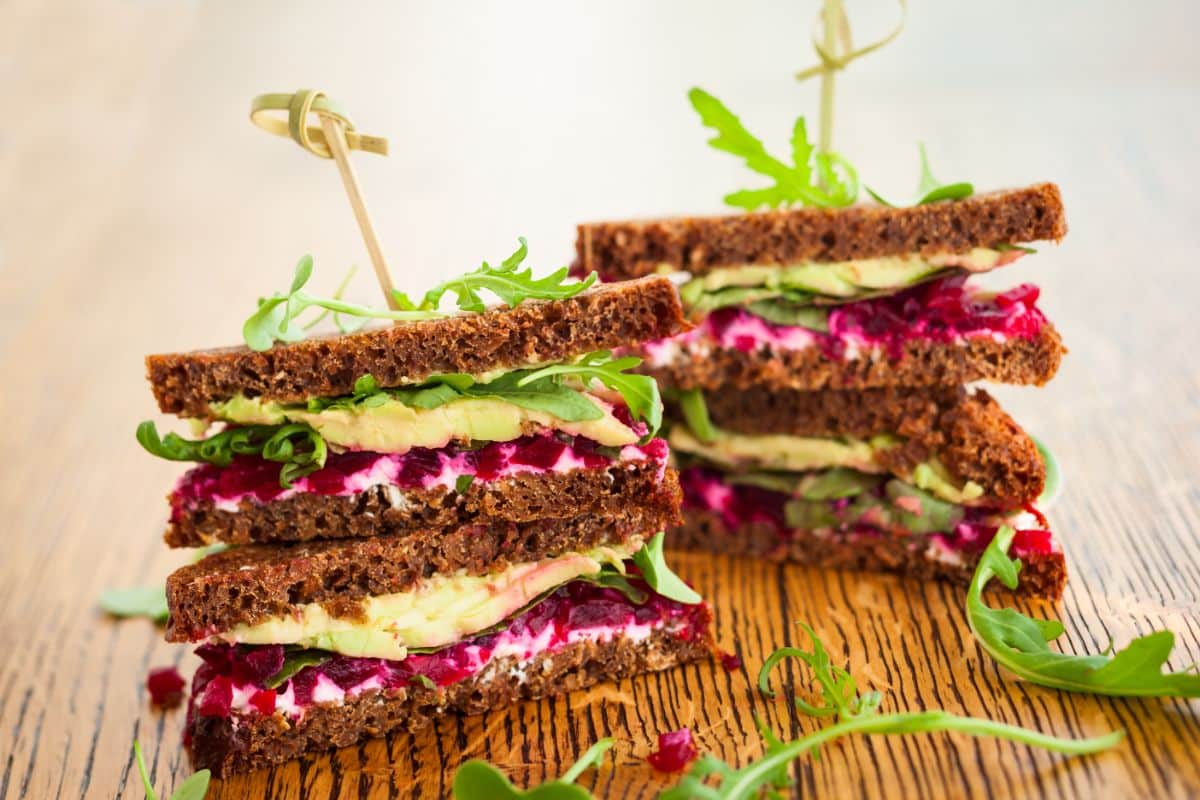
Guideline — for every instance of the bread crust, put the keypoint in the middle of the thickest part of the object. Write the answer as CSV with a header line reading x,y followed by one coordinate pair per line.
x,y
1044,576
922,363
245,742
249,584
623,250
605,317
522,498
968,432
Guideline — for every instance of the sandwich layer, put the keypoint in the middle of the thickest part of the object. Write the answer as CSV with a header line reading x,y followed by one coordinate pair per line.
x,y
500,339
623,250
723,517
968,435
254,584
579,636
368,494
938,333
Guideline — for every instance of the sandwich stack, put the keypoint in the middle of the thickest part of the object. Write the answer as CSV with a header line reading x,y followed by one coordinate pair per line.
x,y
819,408
438,516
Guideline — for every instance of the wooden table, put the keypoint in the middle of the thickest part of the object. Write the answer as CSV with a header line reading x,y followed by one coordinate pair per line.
x,y
140,213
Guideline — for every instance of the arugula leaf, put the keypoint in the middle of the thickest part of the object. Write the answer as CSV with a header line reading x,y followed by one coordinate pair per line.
x,y
695,414
929,190
463,482
276,317
298,447
1021,644
640,392
813,179
193,788
1004,247
137,601
294,660
659,576
479,780
424,680
838,688
504,281
856,714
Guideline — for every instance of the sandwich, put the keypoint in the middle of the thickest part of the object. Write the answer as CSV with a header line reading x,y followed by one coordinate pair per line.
x,y
446,515
818,405
857,298
909,481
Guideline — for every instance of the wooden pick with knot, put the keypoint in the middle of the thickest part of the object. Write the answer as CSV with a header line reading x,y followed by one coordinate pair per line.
x,y
335,138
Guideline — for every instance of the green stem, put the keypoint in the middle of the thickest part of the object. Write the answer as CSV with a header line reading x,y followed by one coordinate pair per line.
x,y
748,781
833,16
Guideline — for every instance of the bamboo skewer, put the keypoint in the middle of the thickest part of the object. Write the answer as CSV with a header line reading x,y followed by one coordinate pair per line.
x,y
334,139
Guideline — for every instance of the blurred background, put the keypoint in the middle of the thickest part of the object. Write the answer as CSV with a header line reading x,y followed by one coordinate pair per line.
x,y
130,176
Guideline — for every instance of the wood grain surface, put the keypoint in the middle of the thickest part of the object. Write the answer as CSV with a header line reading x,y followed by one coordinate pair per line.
x,y
139,212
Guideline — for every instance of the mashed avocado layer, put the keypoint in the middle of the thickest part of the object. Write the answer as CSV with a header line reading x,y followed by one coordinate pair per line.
x,y
442,610
390,426
844,279
803,454
780,451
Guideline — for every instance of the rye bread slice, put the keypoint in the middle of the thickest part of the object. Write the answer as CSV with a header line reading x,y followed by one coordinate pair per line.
x,y
246,585
1043,576
968,432
922,363
623,250
386,510
245,742
535,332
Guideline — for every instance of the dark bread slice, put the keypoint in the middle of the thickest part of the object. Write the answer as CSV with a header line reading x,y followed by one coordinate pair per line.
x,y
245,742
534,332
923,363
521,498
622,250
1044,576
968,432
246,585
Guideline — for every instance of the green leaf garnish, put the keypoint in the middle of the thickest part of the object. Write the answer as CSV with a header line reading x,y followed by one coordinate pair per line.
x,y
695,414
479,780
1021,644
540,389
640,392
299,448
813,179
659,576
463,482
929,190
513,287
424,680
1005,247
294,660
276,319
855,714
193,788
137,601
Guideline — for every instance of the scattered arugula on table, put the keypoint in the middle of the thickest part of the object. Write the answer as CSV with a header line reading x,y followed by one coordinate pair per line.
x,y
277,316
299,448
1021,644
479,780
825,180
137,601
855,713
929,189
511,286
194,788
